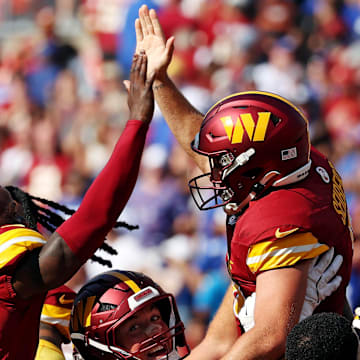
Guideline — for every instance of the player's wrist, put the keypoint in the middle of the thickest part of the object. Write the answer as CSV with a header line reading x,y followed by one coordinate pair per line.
x,y
160,80
141,116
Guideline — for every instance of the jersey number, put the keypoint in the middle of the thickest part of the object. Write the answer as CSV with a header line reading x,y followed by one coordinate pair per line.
x,y
339,200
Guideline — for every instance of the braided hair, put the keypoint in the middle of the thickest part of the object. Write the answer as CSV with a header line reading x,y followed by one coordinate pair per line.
x,y
46,213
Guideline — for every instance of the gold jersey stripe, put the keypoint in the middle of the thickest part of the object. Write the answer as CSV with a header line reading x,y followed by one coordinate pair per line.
x,y
16,233
284,252
239,298
23,241
62,325
53,311
130,283
288,259
264,247
55,321
58,317
17,246
48,351
16,241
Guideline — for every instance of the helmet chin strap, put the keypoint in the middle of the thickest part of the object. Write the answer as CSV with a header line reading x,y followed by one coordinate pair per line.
x,y
234,208
259,187
295,176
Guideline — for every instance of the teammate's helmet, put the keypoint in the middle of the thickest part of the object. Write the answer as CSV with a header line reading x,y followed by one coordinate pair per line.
x,y
106,301
254,140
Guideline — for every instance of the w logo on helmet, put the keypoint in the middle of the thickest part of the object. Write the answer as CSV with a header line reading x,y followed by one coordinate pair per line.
x,y
256,132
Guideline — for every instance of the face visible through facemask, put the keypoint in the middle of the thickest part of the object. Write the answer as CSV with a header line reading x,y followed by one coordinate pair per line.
x,y
146,323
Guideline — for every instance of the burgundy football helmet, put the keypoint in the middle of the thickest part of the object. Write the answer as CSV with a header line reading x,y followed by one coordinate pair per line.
x,y
254,140
106,301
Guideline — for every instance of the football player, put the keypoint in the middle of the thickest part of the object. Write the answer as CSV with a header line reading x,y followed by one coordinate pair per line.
x,y
30,265
126,315
285,204
54,323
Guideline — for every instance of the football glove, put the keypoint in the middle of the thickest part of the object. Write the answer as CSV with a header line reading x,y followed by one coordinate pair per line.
x,y
320,284
322,281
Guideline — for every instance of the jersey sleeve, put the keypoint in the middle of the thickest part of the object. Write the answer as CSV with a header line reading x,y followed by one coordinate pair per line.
x,y
48,351
283,252
57,309
16,240
107,195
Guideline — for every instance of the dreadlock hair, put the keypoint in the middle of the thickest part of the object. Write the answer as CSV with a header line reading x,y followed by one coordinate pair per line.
x,y
46,213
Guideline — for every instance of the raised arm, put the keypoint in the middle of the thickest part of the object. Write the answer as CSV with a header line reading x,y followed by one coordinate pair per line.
x,y
183,119
286,287
77,238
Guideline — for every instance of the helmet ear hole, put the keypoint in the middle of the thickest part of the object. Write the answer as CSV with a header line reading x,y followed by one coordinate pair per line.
x,y
253,173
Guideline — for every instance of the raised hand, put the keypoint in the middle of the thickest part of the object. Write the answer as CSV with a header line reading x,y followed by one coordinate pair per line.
x,y
150,38
140,93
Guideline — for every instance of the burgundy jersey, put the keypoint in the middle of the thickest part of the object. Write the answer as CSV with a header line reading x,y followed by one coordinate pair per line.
x,y
19,318
57,309
293,223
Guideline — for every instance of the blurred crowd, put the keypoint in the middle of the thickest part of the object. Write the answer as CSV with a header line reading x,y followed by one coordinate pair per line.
x,y
63,105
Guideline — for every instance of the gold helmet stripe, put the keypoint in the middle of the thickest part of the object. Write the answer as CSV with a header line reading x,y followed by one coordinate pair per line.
x,y
260,93
87,311
130,283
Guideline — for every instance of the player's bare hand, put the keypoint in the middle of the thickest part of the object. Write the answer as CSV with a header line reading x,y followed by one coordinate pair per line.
x,y
150,38
140,93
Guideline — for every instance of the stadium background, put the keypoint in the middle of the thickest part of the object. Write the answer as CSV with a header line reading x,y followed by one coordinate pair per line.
x,y
63,106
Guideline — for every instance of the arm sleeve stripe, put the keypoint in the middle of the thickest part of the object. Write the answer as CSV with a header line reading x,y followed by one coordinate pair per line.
x,y
25,241
18,233
57,316
54,321
284,252
52,311
48,350
286,242
12,248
